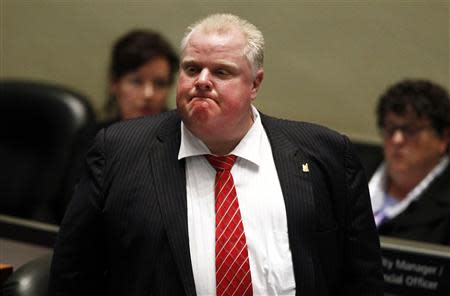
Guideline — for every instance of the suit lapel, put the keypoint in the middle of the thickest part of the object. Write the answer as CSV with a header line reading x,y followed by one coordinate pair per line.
x,y
293,172
170,182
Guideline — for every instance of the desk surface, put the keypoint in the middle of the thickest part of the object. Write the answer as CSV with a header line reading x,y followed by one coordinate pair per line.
x,y
17,253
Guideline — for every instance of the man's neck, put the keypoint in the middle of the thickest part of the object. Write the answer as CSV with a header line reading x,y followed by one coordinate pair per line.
x,y
400,184
399,191
218,144
224,148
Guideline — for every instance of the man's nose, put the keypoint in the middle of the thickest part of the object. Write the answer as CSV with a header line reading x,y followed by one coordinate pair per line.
x,y
398,136
203,81
149,90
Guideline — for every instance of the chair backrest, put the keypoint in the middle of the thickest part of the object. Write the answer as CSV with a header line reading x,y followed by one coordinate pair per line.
x,y
43,128
31,279
371,155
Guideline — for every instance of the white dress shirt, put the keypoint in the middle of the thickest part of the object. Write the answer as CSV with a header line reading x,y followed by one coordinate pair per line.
x,y
386,207
262,209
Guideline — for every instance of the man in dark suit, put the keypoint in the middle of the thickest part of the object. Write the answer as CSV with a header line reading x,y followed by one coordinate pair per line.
x,y
410,191
216,198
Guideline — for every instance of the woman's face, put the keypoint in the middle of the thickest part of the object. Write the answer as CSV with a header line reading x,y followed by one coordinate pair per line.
x,y
144,91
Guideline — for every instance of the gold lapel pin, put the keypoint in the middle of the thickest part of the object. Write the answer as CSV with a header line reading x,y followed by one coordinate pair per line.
x,y
305,167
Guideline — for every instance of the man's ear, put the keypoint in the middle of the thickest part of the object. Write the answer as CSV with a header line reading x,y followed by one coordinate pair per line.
x,y
446,140
113,88
257,83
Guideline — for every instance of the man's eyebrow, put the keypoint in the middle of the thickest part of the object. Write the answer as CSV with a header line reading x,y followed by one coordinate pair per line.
x,y
188,63
224,63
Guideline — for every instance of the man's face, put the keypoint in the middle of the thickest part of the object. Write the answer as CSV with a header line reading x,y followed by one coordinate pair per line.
x,y
216,87
411,145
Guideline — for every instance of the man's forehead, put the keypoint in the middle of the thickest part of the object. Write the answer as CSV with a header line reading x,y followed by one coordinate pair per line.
x,y
224,49
407,117
217,40
187,60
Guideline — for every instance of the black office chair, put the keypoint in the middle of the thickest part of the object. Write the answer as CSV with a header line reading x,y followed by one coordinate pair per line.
x,y
371,156
31,279
44,129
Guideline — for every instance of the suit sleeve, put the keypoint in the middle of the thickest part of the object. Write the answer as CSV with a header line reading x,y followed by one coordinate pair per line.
x,y
362,258
78,265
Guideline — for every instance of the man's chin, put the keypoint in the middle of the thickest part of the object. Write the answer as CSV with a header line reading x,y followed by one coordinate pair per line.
x,y
399,169
195,115
200,107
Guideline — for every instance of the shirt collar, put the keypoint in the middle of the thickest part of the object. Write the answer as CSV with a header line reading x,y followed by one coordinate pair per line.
x,y
377,188
248,148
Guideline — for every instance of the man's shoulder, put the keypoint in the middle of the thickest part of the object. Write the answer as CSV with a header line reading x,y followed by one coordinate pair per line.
x,y
303,132
439,188
147,125
139,132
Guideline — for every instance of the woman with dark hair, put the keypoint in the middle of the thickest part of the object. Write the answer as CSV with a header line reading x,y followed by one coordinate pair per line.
x,y
143,67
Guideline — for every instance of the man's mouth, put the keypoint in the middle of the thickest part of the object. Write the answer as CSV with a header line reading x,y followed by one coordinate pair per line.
x,y
147,110
200,98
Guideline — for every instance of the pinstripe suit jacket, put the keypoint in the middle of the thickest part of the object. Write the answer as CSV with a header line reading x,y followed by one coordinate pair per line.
x,y
125,231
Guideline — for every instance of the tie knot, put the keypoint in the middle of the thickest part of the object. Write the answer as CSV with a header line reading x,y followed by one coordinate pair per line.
x,y
221,163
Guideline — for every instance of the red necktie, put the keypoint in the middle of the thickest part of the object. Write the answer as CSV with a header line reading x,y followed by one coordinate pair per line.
x,y
233,275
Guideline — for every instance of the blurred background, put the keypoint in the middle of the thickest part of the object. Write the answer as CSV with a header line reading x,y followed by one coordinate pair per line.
x,y
326,61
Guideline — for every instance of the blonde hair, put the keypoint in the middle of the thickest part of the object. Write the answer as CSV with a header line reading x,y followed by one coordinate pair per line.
x,y
225,23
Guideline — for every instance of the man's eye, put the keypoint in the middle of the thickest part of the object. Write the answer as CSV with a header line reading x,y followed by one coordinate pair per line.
x,y
222,72
190,70
136,81
159,83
